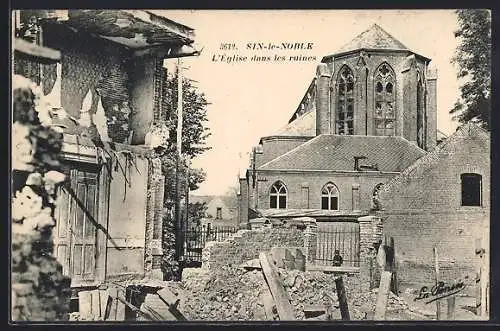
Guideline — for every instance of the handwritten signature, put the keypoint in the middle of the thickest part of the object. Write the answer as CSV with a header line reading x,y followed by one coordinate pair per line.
x,y
439,291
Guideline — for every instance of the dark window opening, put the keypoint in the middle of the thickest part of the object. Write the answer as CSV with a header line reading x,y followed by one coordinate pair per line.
x,y
471,189
278,196
384,101
219,213
330,197
345,101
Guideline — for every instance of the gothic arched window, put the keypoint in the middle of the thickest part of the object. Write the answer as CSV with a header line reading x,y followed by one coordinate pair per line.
x,y
330,197
385,100
278,196
345,101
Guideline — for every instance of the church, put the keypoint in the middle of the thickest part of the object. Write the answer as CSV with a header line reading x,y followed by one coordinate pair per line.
x,y
368,114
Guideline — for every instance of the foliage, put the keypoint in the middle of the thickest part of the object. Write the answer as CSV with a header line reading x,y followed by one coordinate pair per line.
x,y
473,60
196,212
194,118
36,177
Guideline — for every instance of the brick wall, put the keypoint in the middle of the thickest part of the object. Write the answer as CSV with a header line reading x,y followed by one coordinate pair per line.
x,y
314,182
422,209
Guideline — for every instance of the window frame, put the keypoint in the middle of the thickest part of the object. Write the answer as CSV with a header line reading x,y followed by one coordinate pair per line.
x,y
386,99
477,186
278,186
345,99
330,189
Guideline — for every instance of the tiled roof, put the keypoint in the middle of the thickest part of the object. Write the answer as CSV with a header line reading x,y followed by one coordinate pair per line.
x,y
305,125
373,38
337,152
468,129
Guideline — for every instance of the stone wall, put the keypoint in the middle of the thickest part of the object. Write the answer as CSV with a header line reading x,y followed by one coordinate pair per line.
x,y
422,209
247,244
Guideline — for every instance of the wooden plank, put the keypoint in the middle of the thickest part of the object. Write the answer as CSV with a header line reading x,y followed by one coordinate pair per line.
x,y
96,306
383,295
269,306
436,270
332,269
85,305
117,307
344,308
172,301
451,308
285,310
108,311
103,301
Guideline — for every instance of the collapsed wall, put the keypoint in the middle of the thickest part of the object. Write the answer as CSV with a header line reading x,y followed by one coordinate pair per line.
x,y
228,288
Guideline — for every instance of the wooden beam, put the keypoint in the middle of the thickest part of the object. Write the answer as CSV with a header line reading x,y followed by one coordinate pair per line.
x,y
172,301
38,53
344,308
383,295
451,308
285,310
332,269
436,270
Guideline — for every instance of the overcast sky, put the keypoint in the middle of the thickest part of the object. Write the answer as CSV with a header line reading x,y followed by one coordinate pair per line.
x,y
250,100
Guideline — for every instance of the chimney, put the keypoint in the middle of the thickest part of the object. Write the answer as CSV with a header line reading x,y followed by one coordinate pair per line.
x,y
323,118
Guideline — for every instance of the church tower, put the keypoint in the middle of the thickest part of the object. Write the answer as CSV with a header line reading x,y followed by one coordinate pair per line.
x,y
376,86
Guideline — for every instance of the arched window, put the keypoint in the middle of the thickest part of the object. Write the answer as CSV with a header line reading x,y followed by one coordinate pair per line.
x,y
345,101
330,197
471,189
278,196
385,105
420,114
375,197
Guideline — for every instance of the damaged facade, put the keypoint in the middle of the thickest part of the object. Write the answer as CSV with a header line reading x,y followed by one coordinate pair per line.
x,y
369,113
368,119
107,95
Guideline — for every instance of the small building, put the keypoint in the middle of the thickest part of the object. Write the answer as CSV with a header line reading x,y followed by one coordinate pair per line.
x,y
441,201
220,210
107,94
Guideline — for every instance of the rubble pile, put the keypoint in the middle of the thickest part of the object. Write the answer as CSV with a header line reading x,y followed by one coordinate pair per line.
x,y
227,294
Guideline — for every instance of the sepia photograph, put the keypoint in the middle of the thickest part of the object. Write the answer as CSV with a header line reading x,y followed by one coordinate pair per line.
x,y
250,165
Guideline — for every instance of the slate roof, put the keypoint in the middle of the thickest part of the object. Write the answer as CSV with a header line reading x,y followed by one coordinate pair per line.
x,y
336,153
305,126
373,38
467,130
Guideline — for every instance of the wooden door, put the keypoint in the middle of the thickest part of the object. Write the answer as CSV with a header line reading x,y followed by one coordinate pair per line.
x,y
61,233
76,235
84,232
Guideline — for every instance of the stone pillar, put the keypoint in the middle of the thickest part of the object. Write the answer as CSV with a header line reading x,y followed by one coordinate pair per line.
x,y
360,100
370,232
310,242
431,106
156,242
243,208
323,122
409,74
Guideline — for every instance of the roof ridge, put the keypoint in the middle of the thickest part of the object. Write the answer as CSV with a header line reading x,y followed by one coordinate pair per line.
x,y
353,44
428,156
291,151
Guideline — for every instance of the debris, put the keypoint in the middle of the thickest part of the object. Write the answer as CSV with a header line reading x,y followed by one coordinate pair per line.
x,y
285,310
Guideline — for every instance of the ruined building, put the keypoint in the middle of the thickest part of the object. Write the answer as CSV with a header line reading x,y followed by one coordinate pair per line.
x,y
369,113
106,95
